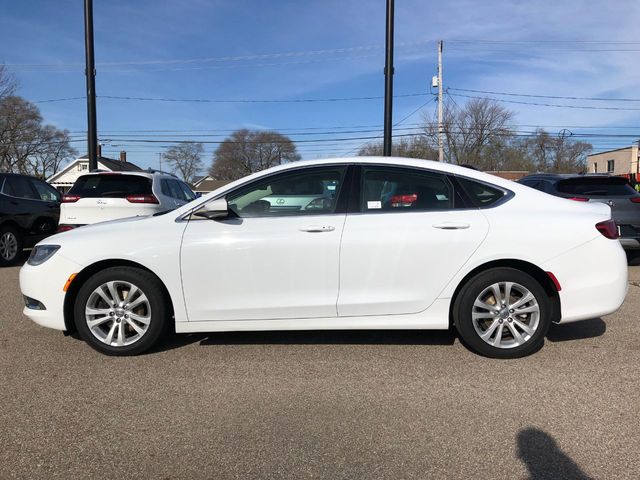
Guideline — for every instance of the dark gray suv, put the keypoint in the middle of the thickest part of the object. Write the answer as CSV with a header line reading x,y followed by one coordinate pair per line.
x,y
614,191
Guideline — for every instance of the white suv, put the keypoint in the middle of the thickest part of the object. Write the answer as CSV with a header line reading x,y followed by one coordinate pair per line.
x,y
101,196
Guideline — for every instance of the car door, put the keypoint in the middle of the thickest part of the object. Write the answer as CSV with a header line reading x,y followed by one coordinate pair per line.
x,y
268,260
50,212
410,234
23,201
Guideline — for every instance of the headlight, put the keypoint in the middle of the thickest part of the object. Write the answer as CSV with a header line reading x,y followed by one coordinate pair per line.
x,y
42,253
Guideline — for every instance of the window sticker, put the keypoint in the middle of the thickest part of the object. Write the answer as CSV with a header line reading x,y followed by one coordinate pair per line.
x,y
373,205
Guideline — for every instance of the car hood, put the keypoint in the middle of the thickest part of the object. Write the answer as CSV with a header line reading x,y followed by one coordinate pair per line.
x,y
86,231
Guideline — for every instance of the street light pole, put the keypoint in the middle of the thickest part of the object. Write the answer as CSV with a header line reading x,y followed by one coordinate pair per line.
x,y
388,82
90,73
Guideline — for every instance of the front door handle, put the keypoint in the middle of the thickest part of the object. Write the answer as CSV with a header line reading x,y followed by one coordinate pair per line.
x,y
317,228
451,226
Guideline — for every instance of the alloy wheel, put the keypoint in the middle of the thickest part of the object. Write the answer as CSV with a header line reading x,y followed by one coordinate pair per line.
x,y
118,313
505,315
8,246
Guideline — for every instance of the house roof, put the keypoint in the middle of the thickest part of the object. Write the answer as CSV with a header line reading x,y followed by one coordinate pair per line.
x,y
110,163
199,179
116,165
209,185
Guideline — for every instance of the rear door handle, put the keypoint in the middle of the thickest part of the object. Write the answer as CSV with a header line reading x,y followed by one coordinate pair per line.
x,y
317,228
451,226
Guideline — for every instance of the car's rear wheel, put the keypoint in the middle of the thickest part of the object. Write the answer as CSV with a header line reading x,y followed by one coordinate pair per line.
x,y
10,245
503,313
121,311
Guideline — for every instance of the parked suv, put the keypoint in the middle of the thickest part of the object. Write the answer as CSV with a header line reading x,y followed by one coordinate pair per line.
x,y
614,191
29,211
101,196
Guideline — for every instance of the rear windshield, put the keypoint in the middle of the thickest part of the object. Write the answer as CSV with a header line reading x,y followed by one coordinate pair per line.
x,y
113,186
613,186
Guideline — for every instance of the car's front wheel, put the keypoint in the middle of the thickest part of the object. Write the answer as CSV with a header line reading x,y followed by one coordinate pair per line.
x,y
503,313
121,311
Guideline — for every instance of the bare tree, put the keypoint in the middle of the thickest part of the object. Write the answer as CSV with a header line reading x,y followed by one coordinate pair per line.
x,y
560,153
408,147
8,83
246,152
20,123
54,149
473,130
185,159
27,146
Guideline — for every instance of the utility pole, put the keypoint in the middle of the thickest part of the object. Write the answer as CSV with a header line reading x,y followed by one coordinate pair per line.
x,y
440,125
388,82
90,73
160,161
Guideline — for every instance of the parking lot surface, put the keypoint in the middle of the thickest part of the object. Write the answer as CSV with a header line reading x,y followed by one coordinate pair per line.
x,y
358,405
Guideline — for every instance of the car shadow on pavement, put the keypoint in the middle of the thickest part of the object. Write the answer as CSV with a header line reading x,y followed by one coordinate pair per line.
x,y
584,329
544,459
312,337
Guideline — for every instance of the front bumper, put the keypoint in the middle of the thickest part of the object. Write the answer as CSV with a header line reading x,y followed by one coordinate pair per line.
x,y
44,284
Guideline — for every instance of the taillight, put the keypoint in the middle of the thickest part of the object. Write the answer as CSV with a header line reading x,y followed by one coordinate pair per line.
x,y
142,199
64,228
635,199
579,199
403,200
70,198
608,228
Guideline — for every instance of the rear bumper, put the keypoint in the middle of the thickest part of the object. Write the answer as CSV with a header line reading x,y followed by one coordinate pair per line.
x,y
593,278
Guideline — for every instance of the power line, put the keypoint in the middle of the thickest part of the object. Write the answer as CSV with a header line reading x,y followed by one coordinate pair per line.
x,y
580,107
557,97
295,100
236,58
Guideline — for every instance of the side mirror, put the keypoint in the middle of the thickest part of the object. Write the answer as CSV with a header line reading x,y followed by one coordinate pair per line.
x,y
214,209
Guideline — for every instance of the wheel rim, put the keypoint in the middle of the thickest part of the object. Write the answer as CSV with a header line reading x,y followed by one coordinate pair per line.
x,y
118,313
505,315
8,246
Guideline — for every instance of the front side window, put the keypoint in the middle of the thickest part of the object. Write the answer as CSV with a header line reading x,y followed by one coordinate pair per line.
x,y
311,192
188,195
389,189
46,192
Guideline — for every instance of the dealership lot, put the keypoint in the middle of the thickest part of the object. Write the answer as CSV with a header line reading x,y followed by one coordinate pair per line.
x,y
320,404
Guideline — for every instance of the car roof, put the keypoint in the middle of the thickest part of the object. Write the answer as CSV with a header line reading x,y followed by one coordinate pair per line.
x,y
141,173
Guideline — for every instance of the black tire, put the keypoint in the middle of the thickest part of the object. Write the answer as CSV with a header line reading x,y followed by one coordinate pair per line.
x,y
464,307
159,313
11,234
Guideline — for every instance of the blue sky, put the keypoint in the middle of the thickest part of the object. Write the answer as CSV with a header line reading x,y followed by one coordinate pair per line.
x,y
318,49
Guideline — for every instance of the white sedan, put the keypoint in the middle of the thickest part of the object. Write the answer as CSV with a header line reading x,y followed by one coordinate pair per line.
x,y
387,243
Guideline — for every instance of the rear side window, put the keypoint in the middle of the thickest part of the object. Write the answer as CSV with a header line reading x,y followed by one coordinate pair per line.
x,y
390,189
112,186
20,187
481,194
606,187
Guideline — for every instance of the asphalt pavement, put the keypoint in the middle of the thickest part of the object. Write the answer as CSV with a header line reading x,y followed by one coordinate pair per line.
x,y
352,405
